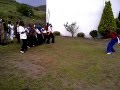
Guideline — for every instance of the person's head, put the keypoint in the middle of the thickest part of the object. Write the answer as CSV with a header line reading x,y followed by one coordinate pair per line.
x,y
9,22
21,23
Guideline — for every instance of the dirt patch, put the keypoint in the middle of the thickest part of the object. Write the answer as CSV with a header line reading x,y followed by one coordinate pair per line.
x,y
35,65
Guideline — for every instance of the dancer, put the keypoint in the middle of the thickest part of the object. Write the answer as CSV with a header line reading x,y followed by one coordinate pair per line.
x,y
114,39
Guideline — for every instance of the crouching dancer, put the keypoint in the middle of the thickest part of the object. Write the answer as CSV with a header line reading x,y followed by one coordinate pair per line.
x,y
114,39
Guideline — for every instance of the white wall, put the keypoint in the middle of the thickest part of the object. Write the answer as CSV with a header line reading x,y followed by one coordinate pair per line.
x,y
86,13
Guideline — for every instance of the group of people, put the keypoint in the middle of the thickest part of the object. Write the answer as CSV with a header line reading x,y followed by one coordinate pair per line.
x,y
30,35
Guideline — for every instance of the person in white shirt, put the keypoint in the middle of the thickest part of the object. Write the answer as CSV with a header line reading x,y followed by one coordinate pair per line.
x,y
50,34
23,37
11,27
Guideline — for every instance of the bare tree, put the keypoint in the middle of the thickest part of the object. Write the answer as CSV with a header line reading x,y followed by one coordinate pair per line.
x,y
72,28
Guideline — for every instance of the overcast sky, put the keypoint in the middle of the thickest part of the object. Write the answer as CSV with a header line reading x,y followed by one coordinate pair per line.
x,y
33,2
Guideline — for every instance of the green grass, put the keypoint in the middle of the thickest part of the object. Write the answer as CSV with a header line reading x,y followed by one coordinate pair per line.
x,y
8,11
69,64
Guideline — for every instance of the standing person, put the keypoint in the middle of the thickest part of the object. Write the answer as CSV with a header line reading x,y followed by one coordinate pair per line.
x,y
39,32
44,35
17,32
114,39
4,30
33,39
1,28
23,37
11,32
51,33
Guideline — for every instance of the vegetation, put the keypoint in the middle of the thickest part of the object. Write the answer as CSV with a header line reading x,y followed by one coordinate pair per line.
x,y
25,10
72,28
56,33
118,25
93,33
107,20
9,11
69,64
81,34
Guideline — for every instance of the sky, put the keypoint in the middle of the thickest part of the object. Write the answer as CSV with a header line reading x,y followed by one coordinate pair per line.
x,y
33,2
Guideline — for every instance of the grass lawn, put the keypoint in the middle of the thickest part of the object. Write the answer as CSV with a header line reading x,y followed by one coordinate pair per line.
x,y
69,64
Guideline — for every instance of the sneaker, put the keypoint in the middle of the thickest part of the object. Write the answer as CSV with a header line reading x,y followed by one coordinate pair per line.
x,y
28,47
109,53
22,52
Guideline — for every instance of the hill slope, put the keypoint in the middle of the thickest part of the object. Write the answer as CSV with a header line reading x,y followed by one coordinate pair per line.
x,y
8,11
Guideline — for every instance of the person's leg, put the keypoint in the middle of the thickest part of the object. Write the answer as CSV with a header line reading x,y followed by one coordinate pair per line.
x,y
25,44
22,47
53,38
48,39
113,43
18,37
110,48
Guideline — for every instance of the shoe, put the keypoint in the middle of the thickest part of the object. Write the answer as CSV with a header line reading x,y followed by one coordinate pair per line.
x,y
28,47
22,52
109,53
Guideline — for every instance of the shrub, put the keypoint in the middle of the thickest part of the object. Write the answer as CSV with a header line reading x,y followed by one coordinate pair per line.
x,y
72,28
107,20
93,33
56,33
118,31
25,10
81,34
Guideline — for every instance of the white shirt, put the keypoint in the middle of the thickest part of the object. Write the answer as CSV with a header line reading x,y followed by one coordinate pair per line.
x,y
22,35
37,31
49,29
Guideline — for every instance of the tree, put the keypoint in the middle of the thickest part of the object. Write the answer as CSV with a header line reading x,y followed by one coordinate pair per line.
x,y
107,20
25,10
72,28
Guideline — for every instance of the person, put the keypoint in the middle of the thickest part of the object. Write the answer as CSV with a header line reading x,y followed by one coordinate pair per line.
x,y
39,32
11,28
17,35
32,33
23,37
3,32
49,34
114,39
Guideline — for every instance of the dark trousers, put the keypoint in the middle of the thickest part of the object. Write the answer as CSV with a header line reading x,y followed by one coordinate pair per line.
x,y
50,36
33,40
44,38
39,39
24,45
111,44
18,37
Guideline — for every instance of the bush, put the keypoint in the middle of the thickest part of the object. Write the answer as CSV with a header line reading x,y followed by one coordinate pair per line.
x,y
93,33
81,34
118,31
25,10
56,33
107,20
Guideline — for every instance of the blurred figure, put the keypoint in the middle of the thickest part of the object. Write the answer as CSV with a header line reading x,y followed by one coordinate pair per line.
x,y
114,39
23,37
11,30
17,35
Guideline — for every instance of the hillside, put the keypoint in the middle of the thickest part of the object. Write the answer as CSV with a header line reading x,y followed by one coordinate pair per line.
x,y
8,11
41,8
